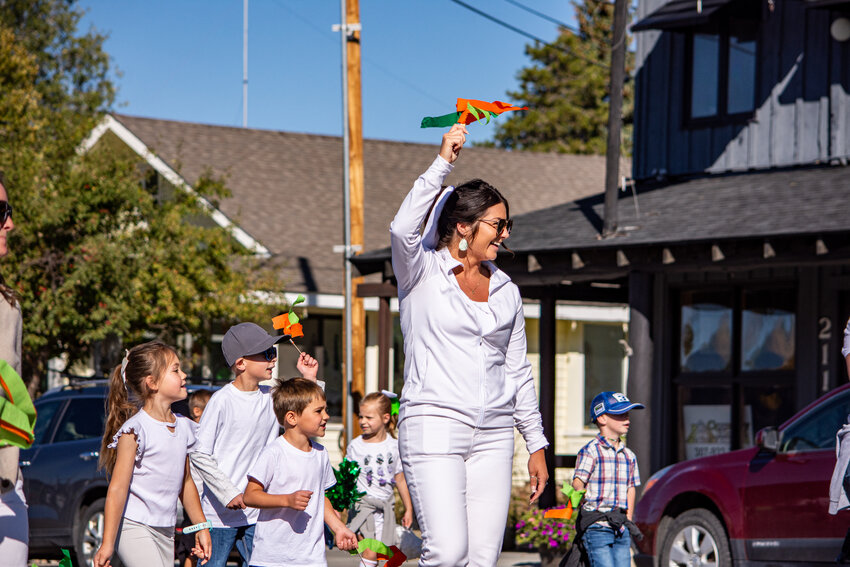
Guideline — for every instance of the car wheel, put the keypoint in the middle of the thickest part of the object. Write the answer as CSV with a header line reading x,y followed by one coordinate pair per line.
x,y
89,535
695,538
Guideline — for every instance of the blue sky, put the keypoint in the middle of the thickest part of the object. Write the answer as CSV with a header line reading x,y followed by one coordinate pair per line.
x,y
182,60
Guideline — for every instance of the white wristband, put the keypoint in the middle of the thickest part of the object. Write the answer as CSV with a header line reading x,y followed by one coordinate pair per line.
x,y
197,527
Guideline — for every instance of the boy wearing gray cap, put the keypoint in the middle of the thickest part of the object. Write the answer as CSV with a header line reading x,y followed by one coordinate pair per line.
x,y
608,470
237,423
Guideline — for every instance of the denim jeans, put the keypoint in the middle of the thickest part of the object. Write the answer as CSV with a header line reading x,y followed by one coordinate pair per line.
x,y
223,540
606,548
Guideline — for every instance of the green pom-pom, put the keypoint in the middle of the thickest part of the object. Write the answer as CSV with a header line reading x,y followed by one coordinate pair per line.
x,y
344,493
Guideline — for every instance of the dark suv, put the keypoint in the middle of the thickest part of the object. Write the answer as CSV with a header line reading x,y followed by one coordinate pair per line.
x,y
65,491
766,505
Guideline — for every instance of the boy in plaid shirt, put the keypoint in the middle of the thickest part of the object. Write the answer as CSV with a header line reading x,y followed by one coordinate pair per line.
x,y
608,470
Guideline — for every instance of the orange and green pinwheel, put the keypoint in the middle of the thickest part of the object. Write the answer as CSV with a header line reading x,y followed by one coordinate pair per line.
x,y
289,321
468,111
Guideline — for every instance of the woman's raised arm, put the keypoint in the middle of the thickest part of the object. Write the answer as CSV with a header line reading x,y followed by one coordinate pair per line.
x,y
408,257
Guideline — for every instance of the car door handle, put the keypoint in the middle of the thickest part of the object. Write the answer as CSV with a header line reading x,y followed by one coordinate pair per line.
x,y
90,455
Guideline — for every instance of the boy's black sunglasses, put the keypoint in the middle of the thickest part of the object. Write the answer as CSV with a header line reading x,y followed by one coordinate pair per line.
x,y
5,212
500,224
270,353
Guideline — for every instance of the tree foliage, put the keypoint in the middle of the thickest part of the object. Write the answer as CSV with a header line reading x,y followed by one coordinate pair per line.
x,y
566,92
98,253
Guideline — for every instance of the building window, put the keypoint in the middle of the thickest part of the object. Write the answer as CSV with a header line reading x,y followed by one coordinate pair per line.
x,y
603,361
736,360
723,75
706,332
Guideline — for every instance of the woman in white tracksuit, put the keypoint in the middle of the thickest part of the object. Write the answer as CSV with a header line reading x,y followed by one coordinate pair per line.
x,y
467,380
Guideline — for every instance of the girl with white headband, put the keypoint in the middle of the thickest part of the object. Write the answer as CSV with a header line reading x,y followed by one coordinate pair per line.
x,y
467,380
144,451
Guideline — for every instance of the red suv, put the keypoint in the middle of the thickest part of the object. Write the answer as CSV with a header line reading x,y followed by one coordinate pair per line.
x,y
764,505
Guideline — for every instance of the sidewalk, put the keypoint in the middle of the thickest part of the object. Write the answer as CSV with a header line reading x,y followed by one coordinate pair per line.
x,y
337,558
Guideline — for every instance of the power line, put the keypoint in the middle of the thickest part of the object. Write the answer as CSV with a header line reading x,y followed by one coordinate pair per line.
x,y
504,24
367,60
544,16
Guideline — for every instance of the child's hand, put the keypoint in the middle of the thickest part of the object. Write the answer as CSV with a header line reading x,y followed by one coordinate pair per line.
x,y
203,546
307,366
345,539
237,503
298,500
101,558
407,519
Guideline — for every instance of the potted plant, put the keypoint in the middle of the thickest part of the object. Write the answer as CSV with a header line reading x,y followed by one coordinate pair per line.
x,y
551,537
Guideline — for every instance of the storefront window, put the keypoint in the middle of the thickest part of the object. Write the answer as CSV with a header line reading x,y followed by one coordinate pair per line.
x,y
767,330
706,332
736,362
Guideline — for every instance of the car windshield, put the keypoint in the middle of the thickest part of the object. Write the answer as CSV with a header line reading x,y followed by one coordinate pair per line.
x,y
46,411
816,430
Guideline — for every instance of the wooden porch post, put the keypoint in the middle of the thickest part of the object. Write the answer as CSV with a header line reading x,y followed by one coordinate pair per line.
x,y
547,389
385,333
640,386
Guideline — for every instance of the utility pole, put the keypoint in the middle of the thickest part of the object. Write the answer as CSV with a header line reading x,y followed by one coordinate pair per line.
x,y
355,316
615,112
244,63
355,175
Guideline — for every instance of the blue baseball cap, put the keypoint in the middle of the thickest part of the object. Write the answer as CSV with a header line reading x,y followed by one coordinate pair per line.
x,y
611,402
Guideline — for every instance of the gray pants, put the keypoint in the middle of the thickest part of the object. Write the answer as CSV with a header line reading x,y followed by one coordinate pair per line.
x,y
145,546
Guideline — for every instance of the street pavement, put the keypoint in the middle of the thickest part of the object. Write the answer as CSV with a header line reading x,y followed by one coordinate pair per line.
x,y
337,558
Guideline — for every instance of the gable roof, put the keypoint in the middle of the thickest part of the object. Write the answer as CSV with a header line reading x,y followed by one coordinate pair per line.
x,y
287,187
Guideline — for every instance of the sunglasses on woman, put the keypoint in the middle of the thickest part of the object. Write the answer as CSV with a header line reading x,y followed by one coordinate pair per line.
x,y
5,212
500,224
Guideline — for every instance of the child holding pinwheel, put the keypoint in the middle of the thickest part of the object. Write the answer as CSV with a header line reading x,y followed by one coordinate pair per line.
x,y
238,421
608,470
376,451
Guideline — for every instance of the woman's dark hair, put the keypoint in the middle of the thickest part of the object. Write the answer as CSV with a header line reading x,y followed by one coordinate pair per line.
x,y
467,204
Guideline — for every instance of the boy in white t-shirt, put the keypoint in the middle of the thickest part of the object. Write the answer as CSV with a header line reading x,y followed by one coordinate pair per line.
x,y
288,484
238,421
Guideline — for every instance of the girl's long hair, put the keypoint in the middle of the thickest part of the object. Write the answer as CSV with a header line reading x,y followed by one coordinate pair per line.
x,y
384,406
126,397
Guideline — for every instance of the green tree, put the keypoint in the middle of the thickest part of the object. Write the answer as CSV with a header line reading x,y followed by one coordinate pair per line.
x,y
566,90
98,254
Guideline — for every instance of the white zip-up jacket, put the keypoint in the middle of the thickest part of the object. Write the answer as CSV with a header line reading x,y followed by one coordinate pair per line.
x,y
460,362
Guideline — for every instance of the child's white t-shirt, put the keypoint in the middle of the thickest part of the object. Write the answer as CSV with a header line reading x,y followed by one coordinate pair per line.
x,y
234,428
379,463
159,468
284,536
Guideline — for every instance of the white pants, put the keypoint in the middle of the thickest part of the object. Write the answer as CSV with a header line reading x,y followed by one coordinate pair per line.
x,y
14,529
460,483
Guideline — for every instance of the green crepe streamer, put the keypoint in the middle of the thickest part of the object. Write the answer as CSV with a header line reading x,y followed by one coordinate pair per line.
x,y
66,561
444,121
573,494
293,318
299,299
373,545
344,493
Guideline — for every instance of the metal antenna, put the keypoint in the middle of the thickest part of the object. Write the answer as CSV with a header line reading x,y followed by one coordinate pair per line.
x,y
244,63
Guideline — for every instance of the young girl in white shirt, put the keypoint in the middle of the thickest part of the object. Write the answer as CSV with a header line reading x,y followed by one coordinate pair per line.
x,y
376,451
144,451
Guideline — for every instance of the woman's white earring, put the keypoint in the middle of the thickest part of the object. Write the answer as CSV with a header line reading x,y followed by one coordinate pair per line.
x,y
464,245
